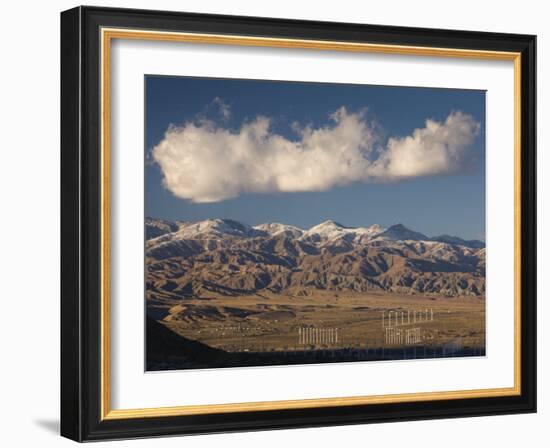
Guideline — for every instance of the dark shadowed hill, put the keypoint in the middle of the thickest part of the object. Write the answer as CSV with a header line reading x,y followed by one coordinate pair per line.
x,y
164,347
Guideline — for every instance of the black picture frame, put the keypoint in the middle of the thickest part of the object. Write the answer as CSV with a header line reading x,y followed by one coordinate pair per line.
x,y
81,382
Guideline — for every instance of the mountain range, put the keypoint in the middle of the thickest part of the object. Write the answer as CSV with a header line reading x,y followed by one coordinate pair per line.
x,y
227,257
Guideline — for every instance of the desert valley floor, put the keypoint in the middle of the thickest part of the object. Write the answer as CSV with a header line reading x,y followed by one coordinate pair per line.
x,y
286,328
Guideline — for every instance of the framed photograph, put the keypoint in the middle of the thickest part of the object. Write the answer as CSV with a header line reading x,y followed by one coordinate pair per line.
x,y
276,224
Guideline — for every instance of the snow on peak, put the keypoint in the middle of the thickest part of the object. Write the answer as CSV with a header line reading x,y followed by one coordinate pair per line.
x,y
214,228
326,234
376,228
332,230
326,226
275,228
371,230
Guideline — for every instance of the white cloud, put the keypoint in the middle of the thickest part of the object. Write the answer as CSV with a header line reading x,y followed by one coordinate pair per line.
x,y
438,148
204,162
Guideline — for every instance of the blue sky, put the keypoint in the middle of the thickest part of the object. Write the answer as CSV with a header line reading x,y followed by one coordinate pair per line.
x,y
450,201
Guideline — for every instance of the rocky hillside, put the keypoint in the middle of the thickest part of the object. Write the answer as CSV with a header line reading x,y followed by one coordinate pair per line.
x,y
221,256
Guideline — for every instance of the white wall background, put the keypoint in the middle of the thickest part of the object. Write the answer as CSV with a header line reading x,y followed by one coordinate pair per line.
x,y
29,207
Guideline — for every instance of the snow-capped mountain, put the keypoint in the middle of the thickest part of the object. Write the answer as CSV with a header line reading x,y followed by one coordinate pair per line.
x,y
331,230
275,228
209,228
157,227
217,227
162,231
230,258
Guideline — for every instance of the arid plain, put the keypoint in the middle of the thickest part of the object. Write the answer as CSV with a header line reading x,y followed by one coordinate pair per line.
x,y
271,322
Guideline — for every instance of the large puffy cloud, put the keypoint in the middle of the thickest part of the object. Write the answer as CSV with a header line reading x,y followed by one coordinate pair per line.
x,y
438,148
204,162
